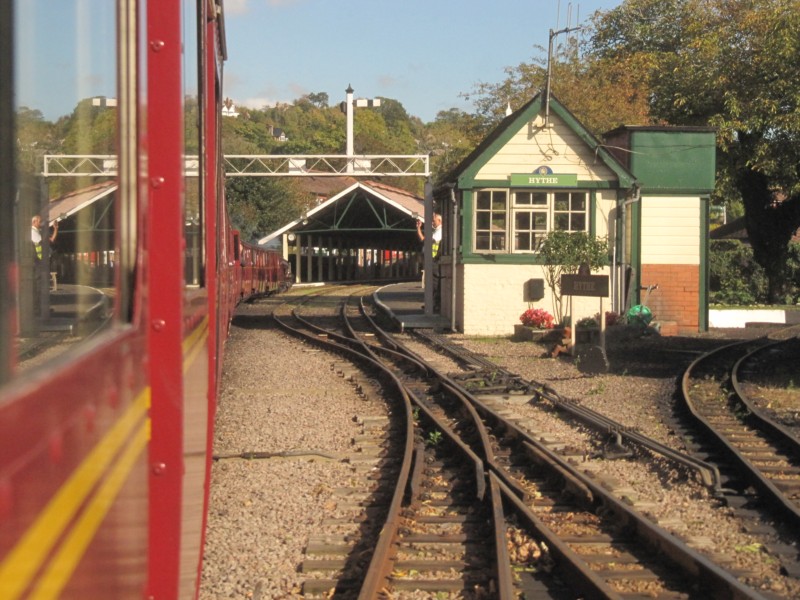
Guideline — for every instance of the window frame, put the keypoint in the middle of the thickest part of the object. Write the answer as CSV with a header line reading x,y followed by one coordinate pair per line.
x,y
490,212
8,188
517,206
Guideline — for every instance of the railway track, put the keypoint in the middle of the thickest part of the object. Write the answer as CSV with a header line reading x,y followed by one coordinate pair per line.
x,y
758,457
601,546
557,532
431,536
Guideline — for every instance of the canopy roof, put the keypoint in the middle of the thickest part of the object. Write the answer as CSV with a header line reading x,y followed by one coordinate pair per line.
x,y
365,213
68,204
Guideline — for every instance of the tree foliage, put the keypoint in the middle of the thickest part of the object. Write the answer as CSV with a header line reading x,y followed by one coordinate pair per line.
x,y
563,253
734,276
259,205
602,93
734,65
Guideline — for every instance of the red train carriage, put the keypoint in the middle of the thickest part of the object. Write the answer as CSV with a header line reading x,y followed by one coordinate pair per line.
x,y
109,369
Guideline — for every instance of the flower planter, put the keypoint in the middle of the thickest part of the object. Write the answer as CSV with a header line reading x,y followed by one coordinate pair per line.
x,y
587,335
523,333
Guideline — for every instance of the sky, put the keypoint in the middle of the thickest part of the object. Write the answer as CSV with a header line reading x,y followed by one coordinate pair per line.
x,y
426,54
423,53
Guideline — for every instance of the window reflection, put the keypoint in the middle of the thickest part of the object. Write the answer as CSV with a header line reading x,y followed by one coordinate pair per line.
x,y
64,216
193,211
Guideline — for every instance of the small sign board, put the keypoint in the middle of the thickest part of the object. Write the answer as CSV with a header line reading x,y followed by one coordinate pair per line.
x,y
548,180
584,285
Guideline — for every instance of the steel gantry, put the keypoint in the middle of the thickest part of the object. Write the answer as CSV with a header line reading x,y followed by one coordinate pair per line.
x,y
258,165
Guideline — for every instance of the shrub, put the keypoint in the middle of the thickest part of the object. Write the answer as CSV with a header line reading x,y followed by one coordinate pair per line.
x,y
538,318
734,275
563,252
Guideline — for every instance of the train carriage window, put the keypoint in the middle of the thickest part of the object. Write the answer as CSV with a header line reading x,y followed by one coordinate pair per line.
x,y
64,247
193,137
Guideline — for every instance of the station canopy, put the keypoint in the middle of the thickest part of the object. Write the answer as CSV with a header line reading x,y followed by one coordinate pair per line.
x,y
365,214
71,203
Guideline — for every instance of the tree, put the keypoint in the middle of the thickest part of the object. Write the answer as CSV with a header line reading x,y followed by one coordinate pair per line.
x,y
602,93
449,139
35,138
319,99
562,253
732,64
260,205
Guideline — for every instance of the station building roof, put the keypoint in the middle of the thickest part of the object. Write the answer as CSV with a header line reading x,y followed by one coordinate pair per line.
x,y
472,170
366,213
65,206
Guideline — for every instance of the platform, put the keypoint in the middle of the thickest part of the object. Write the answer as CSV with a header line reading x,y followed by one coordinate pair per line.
x,y
404,302
71,305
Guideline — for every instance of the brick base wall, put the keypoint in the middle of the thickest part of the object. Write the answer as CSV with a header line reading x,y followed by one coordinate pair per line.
x,y
677,299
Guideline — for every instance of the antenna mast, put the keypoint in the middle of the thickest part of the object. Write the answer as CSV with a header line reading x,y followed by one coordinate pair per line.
x,y
553,34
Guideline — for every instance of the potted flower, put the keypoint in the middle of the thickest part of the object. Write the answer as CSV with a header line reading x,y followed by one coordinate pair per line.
x,y
587,330
536,322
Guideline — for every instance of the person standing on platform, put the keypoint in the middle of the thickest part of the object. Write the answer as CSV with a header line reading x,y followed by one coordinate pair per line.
x,y
437,234
436,242
36,236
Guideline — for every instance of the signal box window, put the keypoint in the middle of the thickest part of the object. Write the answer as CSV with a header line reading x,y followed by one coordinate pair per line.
x,y
533,213
490,220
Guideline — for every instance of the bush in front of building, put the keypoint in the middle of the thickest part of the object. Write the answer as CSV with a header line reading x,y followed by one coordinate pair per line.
x,y
735,277
562,253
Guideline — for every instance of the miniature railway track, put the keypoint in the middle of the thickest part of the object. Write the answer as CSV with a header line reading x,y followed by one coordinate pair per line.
x,y
767,380
432,535
441,547
598,544
553,532
759,458
487,378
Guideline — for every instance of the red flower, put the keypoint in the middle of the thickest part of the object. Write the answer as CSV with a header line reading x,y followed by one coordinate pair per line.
x,y
538,318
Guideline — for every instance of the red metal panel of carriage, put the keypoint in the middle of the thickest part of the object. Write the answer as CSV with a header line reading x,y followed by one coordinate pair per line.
x,y
105,448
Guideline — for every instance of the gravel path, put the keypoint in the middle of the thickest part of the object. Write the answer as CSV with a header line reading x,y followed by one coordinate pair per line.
x,y
283,397
279,396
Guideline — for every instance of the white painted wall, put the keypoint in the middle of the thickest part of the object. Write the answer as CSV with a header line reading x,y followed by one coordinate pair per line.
x,y
496,298
556,147
731,317
670,231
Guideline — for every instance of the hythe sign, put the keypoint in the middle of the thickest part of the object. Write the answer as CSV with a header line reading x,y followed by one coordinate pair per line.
x,y
544,180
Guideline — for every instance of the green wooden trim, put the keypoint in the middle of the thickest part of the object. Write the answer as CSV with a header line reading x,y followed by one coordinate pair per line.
x,y
704,267
592,214
481,184
501,259
467,221
598,185
655,193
